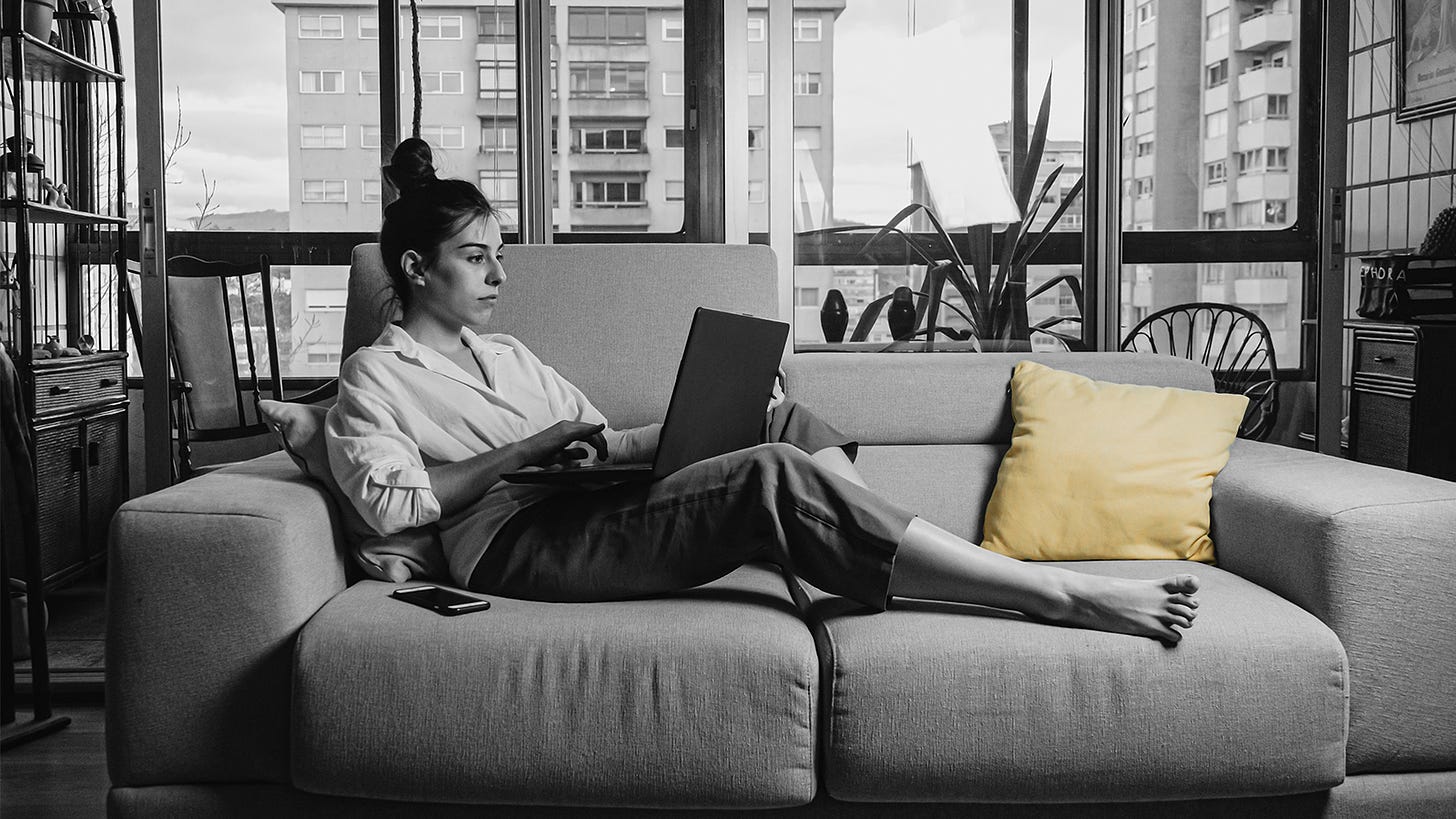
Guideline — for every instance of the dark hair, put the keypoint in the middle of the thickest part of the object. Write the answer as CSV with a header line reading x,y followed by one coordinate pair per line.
x,y
429,210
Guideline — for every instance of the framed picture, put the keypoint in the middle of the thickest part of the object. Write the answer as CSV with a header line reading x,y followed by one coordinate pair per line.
x,y
1425,58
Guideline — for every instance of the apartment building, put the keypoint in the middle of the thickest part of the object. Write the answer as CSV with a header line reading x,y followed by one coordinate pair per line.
x,y
1209,88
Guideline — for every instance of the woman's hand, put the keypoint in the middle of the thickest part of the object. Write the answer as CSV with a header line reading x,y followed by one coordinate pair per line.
x,y
558,440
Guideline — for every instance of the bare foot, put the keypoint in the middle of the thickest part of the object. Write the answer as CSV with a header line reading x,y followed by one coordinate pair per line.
x,y
1148,608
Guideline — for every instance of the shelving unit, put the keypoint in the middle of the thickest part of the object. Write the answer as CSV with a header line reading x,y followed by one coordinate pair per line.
x,y
62,217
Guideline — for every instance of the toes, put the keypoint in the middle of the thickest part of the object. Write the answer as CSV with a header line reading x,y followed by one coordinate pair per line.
x,y
1168,634
1182,610
1184,599
1185,583
1173,619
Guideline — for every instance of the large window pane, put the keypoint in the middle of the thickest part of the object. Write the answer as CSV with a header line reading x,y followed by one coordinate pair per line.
x,y
1269,290
926,121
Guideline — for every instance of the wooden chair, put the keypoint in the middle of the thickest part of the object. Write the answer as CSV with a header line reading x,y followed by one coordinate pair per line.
x,y
1231,341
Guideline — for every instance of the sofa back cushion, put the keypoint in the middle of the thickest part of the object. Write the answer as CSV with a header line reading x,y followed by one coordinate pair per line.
x,y
611,318
951,398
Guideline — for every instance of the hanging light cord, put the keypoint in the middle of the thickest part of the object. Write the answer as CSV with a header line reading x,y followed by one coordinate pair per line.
x,y
415,62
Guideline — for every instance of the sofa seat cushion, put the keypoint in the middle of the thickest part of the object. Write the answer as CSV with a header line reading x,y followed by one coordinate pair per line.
x,y
706,698
941,703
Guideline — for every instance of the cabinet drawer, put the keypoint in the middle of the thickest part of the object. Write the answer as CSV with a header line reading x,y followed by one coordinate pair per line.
x,y
64,390
1394,359
1382,432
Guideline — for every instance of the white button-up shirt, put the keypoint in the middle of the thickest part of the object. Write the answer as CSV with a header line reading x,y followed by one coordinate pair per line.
x,y
403,406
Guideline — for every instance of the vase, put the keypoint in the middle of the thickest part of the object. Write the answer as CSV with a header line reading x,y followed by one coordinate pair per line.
x,y
901,315
36,18
834,316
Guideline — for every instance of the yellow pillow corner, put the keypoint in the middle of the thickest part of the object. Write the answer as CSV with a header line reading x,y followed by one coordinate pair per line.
x,y
1105,471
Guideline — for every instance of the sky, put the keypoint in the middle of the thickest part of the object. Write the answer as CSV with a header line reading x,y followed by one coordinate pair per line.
x,y
225,60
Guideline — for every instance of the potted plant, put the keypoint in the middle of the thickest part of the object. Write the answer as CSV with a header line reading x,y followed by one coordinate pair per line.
x,y
995,317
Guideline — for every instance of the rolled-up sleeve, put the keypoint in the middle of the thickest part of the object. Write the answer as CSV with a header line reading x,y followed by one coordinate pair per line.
x,y
375,463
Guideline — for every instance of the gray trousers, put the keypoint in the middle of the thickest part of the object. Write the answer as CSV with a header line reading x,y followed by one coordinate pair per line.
x,y
771,502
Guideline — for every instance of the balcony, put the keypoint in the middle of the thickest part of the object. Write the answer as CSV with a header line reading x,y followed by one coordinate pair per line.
x,y
1261,291
1271,79
610,161
1272,133
1252,187
1215,196
1215,99
610,107
615,215
1265,29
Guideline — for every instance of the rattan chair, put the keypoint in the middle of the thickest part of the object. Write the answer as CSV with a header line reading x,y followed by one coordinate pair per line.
x,y
1231,341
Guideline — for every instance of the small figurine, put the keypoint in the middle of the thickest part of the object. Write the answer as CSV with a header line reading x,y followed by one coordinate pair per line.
x,y
61,196
86,344
53,346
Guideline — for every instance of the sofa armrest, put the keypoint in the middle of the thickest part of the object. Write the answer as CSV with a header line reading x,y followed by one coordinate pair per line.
x,y
209,582
1372,553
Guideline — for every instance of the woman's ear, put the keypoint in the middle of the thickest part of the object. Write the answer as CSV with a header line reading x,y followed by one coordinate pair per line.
x,y
413,264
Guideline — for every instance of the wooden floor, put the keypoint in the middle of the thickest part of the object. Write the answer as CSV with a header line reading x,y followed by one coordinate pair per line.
x,y
61,775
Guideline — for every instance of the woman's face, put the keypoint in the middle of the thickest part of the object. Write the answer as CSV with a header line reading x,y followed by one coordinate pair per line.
x,y
459,287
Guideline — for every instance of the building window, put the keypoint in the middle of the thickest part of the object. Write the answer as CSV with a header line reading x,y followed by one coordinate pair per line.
x,y
1213,272
368,136
503,137
368,28
1145,57
806,296
1277,159
604,194
672,83
1218,24
500,187
441,82
756,138
1146,12
607,25
320,82
368,82
443,136
1250,161
674,189
1143,187
755,84
1250,110
497,80
496,23
438,27
1278,106
371,191
611,80
755,29
1215,220
1145,147
321,136
320,27
672,29
317,355
1215,124
756,194
607,140
1215,172
807,84
1216,74
808,30
1258,61
1145,100
672,137
807,138
325,190
1248,213
325,300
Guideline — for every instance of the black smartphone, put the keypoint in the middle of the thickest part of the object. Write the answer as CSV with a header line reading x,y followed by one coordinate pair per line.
x,y
441,601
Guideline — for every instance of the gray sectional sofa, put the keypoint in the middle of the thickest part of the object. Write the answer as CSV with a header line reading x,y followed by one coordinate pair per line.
x,y
251,672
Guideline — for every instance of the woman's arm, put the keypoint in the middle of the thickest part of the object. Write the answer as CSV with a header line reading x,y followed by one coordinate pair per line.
x,y
457,485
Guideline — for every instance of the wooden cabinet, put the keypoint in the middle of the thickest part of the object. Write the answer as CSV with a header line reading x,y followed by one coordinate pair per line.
x,y
1403,396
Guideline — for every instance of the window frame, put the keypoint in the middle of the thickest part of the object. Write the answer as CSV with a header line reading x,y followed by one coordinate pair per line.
x,y
361,20
323,196
321,72
320,18
667,20
439,26
323,137
801,33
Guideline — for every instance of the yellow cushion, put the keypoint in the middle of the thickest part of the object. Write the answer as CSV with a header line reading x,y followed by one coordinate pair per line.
x,y
1101,471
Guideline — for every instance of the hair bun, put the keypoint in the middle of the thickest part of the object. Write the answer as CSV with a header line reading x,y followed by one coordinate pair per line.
x,y
411,166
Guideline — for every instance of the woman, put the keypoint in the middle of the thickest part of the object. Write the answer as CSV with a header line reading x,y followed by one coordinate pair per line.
x,y
433,413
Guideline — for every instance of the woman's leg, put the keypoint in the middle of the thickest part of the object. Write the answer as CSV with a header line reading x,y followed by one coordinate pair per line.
x,y
790,423
933,564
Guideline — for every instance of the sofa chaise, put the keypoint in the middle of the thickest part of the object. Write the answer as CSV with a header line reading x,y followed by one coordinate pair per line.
x,y
253,671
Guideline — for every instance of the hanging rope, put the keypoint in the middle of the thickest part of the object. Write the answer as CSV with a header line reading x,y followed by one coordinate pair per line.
x,y
415,63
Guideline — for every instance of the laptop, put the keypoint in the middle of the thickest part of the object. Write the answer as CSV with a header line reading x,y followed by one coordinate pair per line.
x,y
724,382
